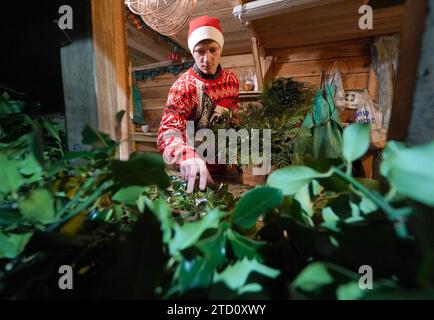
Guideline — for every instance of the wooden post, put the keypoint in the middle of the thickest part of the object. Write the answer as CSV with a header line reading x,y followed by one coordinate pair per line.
x,y
257,61
411,93
111,61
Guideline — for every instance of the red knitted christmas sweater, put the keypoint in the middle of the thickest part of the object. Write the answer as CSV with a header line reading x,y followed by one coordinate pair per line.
x,y
196,97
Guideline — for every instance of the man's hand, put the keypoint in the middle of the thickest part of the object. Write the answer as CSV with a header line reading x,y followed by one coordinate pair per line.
x,y
190,168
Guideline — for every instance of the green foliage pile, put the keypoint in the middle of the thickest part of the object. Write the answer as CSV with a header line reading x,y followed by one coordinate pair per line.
x,y
129,231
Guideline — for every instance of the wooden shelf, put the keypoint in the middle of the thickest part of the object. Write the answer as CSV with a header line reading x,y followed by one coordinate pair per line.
x,y
144,137
249,94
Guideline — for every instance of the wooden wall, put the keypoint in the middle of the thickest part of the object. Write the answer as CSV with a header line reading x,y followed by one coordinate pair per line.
x,y
304,64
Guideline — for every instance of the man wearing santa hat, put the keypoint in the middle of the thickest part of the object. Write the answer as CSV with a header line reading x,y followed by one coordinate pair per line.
x,y
200,95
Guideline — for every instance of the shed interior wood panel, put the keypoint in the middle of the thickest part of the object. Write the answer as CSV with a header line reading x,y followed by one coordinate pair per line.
x,y
325,24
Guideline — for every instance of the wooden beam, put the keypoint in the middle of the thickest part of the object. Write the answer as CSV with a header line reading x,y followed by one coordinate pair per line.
x,y
267,8
410,52
159,65
113,91
148,34
148,46
257,61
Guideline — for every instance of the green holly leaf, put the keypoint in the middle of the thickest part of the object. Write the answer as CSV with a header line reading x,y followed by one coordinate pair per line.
x,y
95,138
187,234
11,245
291,179
410,170
235,276
254,203
349,291
355,141
244,247
38,207
214,247
141,170
164,214
196,273
10,177
129,195
313,278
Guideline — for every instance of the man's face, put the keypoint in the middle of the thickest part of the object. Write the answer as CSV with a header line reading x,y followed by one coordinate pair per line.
x,y
207,55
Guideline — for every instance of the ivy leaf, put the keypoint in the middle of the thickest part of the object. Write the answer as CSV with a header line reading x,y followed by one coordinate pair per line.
x,y
355,141
291,179
187,234
10,178
12,245
235,276
254,203
142,170
244,247
129,195
410,170
38,207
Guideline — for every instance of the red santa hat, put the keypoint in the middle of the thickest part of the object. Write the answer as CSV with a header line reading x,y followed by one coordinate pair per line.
x,y
204,28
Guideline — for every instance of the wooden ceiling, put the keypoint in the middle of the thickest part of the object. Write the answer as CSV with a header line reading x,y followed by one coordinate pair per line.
x,y
144,48
330,22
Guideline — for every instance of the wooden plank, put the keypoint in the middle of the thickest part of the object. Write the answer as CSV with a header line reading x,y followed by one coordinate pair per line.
x,y
153,118
344,31
210,6
138,58
353,48
237,61
165,63
305,17
331,23
147,44
327,25
145,34
137,136
356,81
154,104
145,147
313,67
267,8
256,59
409,54
113,91
155,92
